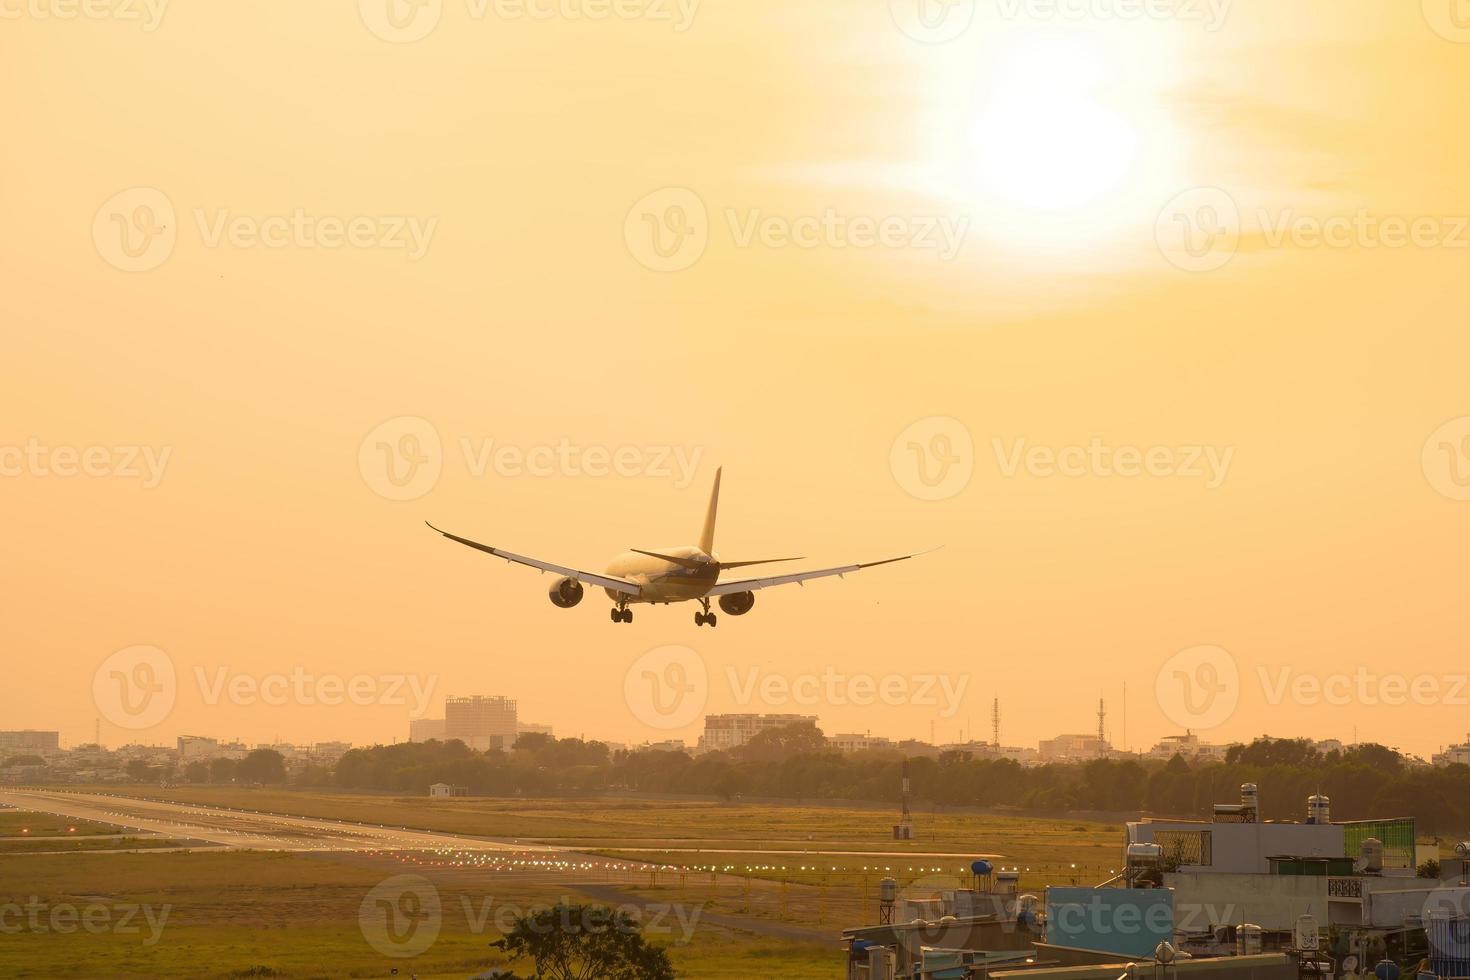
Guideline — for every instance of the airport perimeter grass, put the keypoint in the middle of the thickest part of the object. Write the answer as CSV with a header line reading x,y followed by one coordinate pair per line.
x,y
259,914
1045,850
26,823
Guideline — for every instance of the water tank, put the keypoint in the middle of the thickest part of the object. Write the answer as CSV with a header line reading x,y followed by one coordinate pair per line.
x,y
888,890
1250,796
1319,809
1373,855
1145,855
1306,937
1165,953
1248,940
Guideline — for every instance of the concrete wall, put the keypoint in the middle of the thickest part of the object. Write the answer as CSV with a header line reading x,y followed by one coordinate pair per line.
x,y
1246,847
1204,899
1390,901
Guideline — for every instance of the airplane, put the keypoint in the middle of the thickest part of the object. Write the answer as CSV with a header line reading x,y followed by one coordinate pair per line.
x,y
683,574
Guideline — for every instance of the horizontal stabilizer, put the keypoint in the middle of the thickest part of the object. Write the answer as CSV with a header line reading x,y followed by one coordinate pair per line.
x,y
684,562
763,561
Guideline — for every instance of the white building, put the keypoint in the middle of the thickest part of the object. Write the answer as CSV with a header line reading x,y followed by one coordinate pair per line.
x,y
722,732
1189,746
1454,755
1070,748
425,729
859,743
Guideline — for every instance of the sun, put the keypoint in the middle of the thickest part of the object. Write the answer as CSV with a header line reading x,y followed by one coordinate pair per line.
x,y
1054,139
1045,136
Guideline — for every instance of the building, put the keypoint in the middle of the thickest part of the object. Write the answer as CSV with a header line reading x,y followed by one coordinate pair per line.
x,y
859,743
1232,898
480,722
192,748
1071,748
29,741
327,753
531,728
1455,755
724,732
446,790
667,745
425,729
1188,746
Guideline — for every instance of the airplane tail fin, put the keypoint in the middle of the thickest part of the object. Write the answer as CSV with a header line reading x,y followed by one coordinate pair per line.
x,y
707,536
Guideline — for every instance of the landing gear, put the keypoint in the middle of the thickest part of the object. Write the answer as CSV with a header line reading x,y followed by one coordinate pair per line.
x,y
621,614
706,617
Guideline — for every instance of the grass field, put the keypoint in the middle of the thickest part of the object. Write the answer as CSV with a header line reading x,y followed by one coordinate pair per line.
x,y
778,912
24,823
257,914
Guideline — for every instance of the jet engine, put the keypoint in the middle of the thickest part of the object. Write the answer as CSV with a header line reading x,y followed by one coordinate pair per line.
x,y
737,603
566,593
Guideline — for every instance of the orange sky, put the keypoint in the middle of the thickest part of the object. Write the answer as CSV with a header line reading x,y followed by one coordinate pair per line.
x,y
1317,342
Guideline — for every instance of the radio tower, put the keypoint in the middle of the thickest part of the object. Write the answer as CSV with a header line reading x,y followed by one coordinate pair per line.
x,y
995,722
904,829
1102,717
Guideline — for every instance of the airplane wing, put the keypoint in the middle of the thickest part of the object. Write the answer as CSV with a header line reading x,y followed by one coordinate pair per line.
x,y
590,578
751,584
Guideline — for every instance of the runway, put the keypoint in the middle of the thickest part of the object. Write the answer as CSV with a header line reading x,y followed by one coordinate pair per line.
x,y
247,830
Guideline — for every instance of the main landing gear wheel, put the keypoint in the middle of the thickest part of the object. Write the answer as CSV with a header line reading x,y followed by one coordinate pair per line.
x,y
703,619
621,615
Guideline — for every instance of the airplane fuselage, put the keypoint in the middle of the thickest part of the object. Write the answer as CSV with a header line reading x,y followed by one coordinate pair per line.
x,y
665,581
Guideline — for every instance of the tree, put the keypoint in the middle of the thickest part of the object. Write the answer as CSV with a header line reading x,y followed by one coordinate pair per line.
x,y
197,771
138,770
1429,869
262,766
222,770
24,760
785,741
577,942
